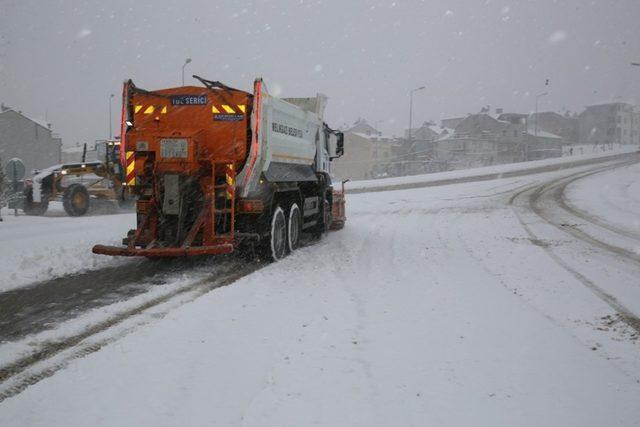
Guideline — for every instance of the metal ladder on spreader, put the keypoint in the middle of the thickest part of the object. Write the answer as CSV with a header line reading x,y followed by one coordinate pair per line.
x,y
228,211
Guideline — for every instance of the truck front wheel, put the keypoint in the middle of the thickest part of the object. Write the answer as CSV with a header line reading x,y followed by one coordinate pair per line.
x,y
75,200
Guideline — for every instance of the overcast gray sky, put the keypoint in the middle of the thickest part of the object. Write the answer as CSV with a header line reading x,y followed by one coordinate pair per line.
x,y
62,59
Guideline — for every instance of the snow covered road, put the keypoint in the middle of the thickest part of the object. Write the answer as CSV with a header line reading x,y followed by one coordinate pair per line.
x,y
463,304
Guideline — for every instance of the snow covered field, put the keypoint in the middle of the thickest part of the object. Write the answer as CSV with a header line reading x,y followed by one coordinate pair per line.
x,y
434,306
39,248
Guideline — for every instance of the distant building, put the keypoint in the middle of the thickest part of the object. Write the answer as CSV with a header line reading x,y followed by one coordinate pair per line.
x,y
542,145
608,124
564,126
357,161
423,133
361,126
451,123
367,154
385,157
29,140
483,140
415,155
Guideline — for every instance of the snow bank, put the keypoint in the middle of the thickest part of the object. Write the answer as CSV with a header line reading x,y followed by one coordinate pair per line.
x,y
34,248
478,173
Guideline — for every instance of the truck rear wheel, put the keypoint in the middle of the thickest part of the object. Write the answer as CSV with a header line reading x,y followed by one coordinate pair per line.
x,y
75,200
294,228
278,235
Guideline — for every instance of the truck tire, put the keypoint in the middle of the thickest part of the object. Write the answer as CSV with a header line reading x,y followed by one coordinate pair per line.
x,y
76,200
327,216
294,228
278,235
326,219
34,208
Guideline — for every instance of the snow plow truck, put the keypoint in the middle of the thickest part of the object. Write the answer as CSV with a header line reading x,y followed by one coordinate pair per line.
x,y
216,169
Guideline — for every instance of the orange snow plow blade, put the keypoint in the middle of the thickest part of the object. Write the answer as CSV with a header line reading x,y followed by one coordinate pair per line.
x,y
224,248
338,210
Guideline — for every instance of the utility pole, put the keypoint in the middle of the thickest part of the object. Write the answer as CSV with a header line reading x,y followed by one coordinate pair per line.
x,y
110,119
635,64
187,61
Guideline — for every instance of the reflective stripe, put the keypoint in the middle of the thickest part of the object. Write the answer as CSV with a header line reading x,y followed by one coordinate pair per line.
x,y
164,110
242,108
138,108
231,181
228,109
214,110
131,166
150,109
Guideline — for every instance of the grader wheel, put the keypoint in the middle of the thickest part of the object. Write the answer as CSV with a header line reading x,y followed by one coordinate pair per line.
x,y
76,200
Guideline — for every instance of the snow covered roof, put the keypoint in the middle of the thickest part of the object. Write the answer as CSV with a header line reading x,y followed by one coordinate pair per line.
x,y
36,121
543,134
375,136
443,133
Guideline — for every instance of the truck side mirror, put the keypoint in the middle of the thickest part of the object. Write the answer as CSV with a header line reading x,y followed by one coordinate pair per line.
x,y
339,144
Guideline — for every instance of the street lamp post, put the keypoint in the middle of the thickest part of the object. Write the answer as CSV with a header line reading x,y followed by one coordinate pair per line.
x,y
635,64
110,118
411,112
187,61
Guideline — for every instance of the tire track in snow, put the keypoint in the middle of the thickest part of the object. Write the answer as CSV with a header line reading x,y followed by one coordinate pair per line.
x,y
562,200
17,376
552,193
532,195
